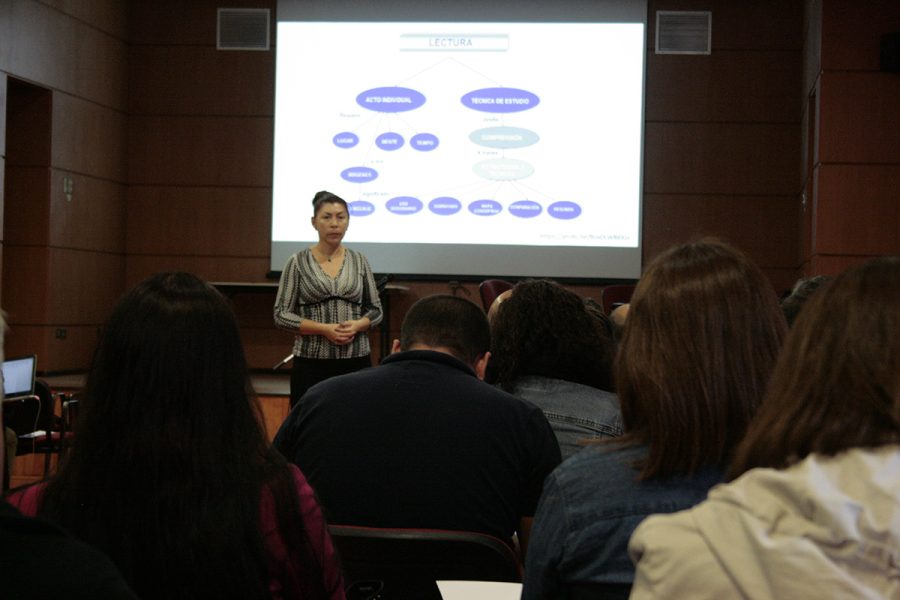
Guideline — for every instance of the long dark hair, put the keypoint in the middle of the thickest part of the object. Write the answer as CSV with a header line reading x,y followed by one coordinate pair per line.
x,y
544,329
170,459
837,383
701,340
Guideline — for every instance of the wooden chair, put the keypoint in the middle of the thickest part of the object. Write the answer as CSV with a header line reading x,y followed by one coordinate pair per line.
x,y
489,289
613,295
396,564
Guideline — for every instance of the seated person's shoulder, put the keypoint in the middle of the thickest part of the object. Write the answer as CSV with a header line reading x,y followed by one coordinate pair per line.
x,y
41,561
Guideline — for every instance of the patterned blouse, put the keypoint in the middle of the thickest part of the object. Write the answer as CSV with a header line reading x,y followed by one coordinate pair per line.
x,y
307,292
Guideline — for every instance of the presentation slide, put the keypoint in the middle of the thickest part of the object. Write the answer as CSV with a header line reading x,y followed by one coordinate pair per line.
x,y
479,148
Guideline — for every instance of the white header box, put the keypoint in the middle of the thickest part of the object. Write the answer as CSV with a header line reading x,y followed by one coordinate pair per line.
x,y
454,42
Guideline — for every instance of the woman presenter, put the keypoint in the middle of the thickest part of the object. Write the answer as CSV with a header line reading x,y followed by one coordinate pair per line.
x,y
327,297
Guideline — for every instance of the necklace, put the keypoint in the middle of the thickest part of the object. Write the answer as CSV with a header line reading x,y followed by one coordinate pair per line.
x,y
329,257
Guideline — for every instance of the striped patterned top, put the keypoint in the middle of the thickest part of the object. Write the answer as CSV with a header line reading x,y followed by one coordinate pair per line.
x,y
307,292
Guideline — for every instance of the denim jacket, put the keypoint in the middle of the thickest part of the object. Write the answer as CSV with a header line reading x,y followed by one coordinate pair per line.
x,y
576,412
589,508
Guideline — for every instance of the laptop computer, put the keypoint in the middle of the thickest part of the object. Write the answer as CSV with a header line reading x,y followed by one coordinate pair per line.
x,y
18,376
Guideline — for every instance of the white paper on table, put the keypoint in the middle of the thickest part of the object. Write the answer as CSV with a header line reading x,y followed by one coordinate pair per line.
x,y
479,590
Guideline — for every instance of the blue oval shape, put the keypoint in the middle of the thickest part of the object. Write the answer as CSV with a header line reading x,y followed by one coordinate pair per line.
x,y
485,208
564,210
390,141
360,208
404,205
345,139
424,142
391,99
445,205
525,209
359,174
500,100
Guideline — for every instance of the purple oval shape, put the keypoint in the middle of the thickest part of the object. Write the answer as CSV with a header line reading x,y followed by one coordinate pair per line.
x,y
445,205
390,141
525,209
391,99
361,208
500,100
485,208
359,174
345,139
564,210
424,142
404,205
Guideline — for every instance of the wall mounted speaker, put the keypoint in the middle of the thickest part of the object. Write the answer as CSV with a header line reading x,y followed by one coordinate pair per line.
x,y
242,29
683,32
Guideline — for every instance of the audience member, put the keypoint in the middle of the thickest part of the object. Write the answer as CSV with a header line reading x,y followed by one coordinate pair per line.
x,y
420,441
617,317
699,345
495,305
799,294
813,509
550,350
38,560
170,472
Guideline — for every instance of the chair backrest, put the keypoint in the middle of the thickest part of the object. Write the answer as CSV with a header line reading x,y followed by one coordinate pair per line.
x,y
489,289
47,420
21,414
612,295
405,563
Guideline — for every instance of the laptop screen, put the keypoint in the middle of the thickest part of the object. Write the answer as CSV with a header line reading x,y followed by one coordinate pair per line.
x,y
18,376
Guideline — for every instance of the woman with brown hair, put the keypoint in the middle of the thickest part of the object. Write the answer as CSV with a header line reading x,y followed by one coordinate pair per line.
x,y
699,345
813,509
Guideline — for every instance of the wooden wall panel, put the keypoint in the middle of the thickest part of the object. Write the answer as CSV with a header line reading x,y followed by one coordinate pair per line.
x,y
855,197
764,227
758,25
858,209
860,120
721,158
221,151
55,355
211,268
108,16
200,80
853,30
76,53
92,219
825,264
725,86
88,138
86,285
50,47
199,221
24,339
179,23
